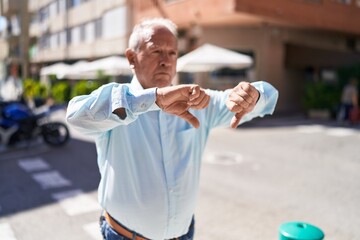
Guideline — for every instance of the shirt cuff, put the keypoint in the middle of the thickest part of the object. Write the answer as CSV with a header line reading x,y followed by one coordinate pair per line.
x,y
143,101
267,100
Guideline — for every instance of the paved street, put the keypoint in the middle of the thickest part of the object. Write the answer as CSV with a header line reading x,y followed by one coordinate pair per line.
x,y
254,178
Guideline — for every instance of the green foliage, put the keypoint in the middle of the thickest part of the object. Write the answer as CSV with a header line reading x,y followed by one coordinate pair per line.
x,y
345,73
61,92
321,95
84,87
34,89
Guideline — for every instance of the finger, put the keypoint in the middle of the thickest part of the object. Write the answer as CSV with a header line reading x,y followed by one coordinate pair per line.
x,y
233,106
250,90
196,101
236,119
241,97
190,119
195,92
201,103
239,102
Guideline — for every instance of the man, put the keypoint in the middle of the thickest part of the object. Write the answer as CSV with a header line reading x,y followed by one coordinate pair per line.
x,y
150,137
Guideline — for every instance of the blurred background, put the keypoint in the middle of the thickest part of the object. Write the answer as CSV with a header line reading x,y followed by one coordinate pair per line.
x,y
302,47
308,167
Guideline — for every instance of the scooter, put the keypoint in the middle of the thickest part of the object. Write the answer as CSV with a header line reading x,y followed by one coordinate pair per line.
x,y
19,123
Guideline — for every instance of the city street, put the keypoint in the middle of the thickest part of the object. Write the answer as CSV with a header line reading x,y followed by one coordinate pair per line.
x,y
265,173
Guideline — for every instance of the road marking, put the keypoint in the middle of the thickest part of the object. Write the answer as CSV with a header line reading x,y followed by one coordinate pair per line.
x,y
223,158
93,230
33,164
341,132
76,202
6,232
310,128
51,179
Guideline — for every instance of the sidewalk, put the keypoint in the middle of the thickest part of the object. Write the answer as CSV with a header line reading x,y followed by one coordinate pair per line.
x,y
295,120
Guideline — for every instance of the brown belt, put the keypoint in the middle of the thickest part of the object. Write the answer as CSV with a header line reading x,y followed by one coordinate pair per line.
x,y
120,229
123,231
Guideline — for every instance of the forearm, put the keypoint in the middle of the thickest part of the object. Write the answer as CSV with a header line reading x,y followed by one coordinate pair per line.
x,y
99,111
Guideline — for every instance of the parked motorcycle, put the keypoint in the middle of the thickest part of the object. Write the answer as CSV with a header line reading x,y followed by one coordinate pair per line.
x,y
19,123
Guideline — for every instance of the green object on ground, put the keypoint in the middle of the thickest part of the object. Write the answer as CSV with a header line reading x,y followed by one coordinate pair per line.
x,y
300,231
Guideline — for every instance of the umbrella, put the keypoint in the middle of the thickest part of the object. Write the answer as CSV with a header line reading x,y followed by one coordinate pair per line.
x,y
113,65
208,58
58,69
77,70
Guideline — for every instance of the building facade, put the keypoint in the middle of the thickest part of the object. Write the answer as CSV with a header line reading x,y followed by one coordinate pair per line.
x,y
290,40
69,30
65,30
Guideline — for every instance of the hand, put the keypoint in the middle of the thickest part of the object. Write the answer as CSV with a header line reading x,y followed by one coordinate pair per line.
x,y
179,99
242,99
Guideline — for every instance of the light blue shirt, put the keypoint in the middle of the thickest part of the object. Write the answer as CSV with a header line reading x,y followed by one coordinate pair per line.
x,y
150,162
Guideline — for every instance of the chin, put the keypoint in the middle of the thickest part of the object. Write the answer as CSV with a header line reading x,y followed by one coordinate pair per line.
x,y
162,83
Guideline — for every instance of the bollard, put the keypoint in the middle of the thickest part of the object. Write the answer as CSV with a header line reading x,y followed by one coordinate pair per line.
x,y
300,231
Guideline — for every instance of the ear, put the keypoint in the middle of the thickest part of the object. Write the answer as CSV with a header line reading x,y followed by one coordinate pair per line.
x,y
131,56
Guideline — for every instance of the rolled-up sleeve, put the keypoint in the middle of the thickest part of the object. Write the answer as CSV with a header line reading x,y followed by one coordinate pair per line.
x,y
217,113
91,114
266,103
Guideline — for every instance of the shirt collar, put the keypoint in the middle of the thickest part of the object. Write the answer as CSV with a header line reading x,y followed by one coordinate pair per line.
x,y
135,84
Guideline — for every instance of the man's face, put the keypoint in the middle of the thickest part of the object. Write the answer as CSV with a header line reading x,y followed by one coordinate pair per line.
x,y
155,62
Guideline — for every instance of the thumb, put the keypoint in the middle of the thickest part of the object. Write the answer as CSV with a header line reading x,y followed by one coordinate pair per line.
x,y
236,119
187,116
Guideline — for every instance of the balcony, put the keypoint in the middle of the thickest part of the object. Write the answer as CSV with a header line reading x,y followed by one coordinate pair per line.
x,y
334,15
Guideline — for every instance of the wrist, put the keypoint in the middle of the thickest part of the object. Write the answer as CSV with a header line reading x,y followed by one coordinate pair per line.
x,y
159,98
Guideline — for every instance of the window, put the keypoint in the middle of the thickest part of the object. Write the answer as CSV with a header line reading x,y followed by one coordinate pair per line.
x,y
44,42
98,28
62,6
53,9
75,35
90,32
54,41
14,25
34,18
68,36
115,23
82,33
74,3
62,38
44,13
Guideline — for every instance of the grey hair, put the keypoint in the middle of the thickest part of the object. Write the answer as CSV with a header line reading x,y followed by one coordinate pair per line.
x,y
144,30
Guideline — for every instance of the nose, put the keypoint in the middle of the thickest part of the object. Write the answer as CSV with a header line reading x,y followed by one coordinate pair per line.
x,y
165,60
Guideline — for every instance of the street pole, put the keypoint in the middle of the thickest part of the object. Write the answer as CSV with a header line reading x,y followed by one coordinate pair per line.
x,y
24,38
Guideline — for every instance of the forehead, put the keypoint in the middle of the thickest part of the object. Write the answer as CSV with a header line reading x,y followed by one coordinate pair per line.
x,y
160,36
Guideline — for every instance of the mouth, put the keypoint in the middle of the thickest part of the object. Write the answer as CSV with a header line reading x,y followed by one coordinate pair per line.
x,y
163,73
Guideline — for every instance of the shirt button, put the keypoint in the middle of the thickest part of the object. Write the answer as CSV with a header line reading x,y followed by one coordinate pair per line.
x,y
143,105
